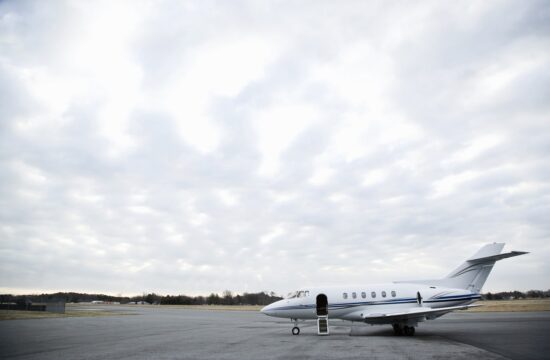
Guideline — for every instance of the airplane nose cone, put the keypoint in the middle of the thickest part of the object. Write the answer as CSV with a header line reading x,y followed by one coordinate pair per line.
x,y
267,310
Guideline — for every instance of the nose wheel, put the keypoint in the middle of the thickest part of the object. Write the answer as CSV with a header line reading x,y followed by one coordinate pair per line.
x,y
295,329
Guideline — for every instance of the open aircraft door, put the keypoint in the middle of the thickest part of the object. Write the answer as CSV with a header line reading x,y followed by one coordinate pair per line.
x,y
322,314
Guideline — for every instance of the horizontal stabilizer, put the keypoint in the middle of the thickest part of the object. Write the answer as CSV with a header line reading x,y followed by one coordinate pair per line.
x,y
492,258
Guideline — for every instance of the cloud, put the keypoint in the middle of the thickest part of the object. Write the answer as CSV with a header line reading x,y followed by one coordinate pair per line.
x,y
197,147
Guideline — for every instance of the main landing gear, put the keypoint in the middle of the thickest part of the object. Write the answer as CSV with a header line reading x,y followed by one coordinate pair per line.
x,y
295,329
400,329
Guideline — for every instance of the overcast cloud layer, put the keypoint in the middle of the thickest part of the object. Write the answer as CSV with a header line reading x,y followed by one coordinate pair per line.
x,y
193,147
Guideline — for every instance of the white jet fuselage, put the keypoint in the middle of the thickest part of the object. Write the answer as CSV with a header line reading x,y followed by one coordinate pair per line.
x,y
356,303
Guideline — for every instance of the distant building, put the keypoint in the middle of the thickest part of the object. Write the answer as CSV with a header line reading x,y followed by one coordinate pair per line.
x,y
27,305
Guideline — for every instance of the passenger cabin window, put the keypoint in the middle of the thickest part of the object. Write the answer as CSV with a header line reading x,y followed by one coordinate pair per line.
x,y
373,294
393,293
383,294
363,294
354,295
345,295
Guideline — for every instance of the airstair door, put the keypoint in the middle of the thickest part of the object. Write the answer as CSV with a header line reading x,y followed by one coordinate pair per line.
x,y
322,305
322,314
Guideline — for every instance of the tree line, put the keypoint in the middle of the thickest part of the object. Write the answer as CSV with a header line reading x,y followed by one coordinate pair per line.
x,y
507,295
226,298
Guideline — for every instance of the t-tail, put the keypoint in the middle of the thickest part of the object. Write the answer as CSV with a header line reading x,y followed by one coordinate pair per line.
x,y
472,274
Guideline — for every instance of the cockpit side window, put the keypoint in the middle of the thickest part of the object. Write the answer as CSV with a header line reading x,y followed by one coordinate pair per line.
x,y
298,294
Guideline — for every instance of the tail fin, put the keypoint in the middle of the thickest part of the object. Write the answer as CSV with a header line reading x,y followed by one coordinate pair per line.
x,y
473,273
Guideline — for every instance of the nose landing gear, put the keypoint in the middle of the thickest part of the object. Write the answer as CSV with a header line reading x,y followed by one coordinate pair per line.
x,y
295,329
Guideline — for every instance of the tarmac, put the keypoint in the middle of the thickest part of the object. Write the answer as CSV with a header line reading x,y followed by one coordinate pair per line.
x,y
157,332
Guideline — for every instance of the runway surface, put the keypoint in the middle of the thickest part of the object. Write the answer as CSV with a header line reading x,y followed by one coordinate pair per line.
x,y
166,333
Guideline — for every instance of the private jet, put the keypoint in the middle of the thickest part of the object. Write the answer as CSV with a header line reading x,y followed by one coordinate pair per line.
x,y
402,304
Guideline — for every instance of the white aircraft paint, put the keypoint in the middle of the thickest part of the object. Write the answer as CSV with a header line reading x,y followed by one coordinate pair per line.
x,y
402,304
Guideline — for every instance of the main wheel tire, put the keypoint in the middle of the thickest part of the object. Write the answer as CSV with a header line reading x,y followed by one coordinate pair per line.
x,y
397,330
409,330
295,330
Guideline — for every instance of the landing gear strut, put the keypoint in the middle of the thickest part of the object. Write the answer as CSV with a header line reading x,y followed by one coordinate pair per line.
x,y
400,329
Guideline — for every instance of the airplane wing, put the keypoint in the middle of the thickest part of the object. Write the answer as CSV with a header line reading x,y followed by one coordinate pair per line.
x,y
416,314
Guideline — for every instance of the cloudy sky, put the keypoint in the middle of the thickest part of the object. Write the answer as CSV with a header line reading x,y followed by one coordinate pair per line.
x,y
192,147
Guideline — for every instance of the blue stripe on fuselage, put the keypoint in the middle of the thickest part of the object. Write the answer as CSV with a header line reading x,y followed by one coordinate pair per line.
x,y
384,302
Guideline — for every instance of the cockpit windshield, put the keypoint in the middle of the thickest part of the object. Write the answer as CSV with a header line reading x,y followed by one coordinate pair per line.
x,y
298,294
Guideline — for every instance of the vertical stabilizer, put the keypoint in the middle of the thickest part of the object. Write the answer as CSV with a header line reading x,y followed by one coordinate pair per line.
x,y
472,274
